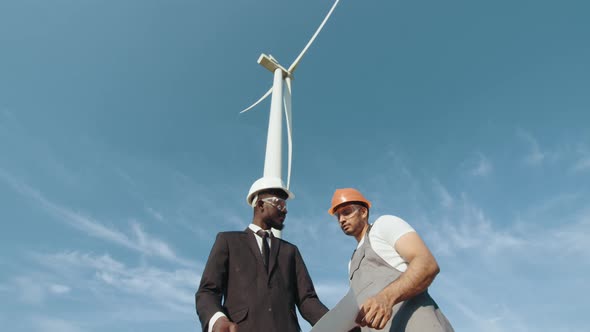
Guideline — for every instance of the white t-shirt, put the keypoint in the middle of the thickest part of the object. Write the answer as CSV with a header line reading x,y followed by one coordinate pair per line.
x,y
385,232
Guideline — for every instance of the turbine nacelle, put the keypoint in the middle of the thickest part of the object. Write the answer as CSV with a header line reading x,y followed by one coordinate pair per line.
x,y
270,63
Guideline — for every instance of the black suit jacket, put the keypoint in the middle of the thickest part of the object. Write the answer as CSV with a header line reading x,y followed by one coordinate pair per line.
x,y
236,283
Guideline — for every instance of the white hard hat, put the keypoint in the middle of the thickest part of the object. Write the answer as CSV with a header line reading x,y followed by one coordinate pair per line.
x,y
267,183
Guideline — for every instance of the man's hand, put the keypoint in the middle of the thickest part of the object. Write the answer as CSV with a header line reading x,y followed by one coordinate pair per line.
x,y
375,312
225,325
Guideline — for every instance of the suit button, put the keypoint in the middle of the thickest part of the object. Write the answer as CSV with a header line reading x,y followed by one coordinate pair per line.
x,y
269,309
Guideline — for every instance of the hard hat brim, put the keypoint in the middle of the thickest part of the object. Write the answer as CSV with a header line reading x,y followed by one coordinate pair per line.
x,y
267,183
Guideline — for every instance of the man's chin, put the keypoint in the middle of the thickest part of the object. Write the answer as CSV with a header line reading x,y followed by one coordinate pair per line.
x,y
278,225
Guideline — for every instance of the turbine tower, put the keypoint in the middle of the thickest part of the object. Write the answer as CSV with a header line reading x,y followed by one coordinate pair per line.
x,y
281,97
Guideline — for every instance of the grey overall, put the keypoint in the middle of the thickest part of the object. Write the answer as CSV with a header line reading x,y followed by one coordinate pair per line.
x,y
369,274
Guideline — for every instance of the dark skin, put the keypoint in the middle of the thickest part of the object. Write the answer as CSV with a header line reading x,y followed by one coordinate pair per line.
x,y
266,216
224,325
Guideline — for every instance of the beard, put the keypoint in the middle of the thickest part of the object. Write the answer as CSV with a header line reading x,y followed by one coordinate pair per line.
x,y
275,220
278,226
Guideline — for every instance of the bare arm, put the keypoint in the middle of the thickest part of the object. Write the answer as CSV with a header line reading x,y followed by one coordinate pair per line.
x,y
421,271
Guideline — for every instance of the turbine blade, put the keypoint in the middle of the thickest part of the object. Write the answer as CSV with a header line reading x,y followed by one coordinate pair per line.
x,y
287,102
298,59
258,101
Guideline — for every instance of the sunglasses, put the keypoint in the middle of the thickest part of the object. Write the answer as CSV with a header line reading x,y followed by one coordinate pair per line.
x,y
279,203
346,211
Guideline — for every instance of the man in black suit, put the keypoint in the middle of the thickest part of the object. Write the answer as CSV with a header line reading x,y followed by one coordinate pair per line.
x,y
253,281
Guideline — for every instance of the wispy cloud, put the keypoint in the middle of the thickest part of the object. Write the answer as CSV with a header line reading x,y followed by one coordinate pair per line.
x,y
155,214
535,155
489,260
35,289
30,291
483,166
140,241
451,222
32,150
150,245
173,289
486,323
557,226
59,289
477,311
572,239
582,165
53,324
445,198
467,227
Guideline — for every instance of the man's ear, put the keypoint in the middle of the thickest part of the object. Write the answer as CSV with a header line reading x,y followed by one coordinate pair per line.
x,y
364,211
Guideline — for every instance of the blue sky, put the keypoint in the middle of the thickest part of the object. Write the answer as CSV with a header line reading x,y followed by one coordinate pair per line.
x,y
123,153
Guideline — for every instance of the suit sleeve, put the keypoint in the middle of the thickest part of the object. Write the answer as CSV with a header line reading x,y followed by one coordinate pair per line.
x,y
213,282
310,306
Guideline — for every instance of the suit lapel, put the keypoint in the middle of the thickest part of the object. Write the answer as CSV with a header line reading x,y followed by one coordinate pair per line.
x,y
252,244
275,245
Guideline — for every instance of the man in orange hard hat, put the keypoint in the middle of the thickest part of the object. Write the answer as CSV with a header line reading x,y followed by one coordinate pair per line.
x,y
390,270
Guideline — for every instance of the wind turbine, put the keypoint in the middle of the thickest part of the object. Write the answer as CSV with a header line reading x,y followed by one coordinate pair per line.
x,y
281,91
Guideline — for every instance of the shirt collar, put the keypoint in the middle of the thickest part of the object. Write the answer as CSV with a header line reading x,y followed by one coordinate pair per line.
x,y
255,228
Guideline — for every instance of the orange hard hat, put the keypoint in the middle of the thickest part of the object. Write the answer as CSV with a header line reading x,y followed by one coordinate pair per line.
x,y
346,195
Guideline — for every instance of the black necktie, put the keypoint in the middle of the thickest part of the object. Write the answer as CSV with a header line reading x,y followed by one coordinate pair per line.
x,y
265,247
